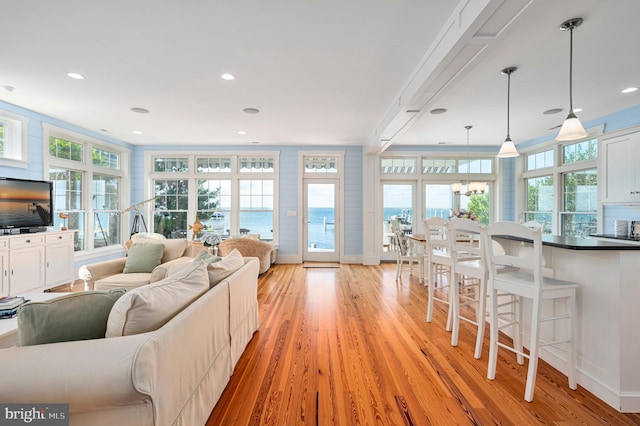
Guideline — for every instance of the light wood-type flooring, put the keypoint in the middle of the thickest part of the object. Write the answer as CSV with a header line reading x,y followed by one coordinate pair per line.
x,y
350,345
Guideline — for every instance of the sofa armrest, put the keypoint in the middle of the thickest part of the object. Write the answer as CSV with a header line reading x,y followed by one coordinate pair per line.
x,y
96,271
161,272
90,375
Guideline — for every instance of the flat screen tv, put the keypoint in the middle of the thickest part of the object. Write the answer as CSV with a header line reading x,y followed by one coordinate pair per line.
x,y
25,204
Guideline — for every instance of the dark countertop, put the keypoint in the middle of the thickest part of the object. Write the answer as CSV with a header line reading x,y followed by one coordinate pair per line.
x,y
618,237
574,243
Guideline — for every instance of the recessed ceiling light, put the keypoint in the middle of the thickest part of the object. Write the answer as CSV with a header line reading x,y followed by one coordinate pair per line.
x,y
140,110
254,142
552,111
251,110
442,143
577,110
629,90
137,132
437,111
75,75
228,77
242,132
104,130
9,88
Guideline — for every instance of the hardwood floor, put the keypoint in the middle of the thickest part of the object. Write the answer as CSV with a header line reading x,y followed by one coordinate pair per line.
x,y
350,345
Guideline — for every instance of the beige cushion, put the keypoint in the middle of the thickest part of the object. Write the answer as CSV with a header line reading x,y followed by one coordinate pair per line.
x,y
173,248
126,281
143,257
218,271
75,316
149,307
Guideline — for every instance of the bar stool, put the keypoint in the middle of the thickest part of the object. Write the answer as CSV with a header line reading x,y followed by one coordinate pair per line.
x,y
468,260
438,262
525,282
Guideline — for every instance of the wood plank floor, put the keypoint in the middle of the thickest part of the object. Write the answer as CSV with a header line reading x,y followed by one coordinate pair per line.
x,y
350,345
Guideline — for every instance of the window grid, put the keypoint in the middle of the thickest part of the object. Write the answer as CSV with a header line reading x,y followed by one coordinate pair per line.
x,y
321,164
213,164
255,165
171,164
580,151
540,160
65,149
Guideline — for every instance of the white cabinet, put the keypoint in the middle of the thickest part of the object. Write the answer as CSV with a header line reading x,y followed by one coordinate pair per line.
x,y
620,156
35,262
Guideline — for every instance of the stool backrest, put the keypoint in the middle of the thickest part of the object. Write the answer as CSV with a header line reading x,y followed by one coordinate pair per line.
x,y
463,237
526,255
435,229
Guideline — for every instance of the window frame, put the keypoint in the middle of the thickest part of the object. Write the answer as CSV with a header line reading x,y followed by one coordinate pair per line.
x,y
88,169
16,142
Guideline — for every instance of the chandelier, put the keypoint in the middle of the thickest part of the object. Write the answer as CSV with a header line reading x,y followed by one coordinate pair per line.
x,y
468,188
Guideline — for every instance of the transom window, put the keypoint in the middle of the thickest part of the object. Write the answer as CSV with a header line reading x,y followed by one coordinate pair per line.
x,y
321,164
581,151
397,165
540,160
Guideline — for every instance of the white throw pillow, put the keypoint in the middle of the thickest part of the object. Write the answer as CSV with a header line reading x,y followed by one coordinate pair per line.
x,y
218,271
149,307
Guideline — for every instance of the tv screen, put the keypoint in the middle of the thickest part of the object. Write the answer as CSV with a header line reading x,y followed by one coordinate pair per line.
x,y
25,203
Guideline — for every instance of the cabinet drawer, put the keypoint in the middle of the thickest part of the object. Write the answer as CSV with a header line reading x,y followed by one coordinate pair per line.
x,y
59,238
26,241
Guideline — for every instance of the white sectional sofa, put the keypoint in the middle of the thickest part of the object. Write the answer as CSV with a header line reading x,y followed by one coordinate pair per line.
x,y
171,376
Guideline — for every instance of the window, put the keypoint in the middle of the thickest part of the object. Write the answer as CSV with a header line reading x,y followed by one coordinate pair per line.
x,y
256,208
90,191
581,151
397,165
13,139
540,201
228,193
540,160
320,165
579,217
172,206
565,189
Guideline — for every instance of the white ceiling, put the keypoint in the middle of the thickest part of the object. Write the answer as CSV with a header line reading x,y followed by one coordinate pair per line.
x,y
330,72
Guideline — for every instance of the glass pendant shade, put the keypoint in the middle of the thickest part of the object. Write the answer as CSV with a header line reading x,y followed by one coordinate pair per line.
x,y
508,149
571,130
456,187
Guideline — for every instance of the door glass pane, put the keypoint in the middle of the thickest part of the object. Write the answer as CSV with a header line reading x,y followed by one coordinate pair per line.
x,y
438,200
477,205
321,217
397,209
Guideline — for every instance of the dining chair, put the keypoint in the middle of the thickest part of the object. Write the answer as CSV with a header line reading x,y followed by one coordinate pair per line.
x,y
405,252
536,225
526,282
470,275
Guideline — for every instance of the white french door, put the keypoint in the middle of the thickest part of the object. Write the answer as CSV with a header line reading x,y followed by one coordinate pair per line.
x,y
321,228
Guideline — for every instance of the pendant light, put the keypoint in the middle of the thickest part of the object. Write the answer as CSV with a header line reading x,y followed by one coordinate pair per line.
x,y
470,187
571,128
508,149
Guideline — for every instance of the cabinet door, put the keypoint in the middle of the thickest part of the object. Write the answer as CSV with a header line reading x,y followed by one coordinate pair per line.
x,y
26,270
4,272
59,263
620,173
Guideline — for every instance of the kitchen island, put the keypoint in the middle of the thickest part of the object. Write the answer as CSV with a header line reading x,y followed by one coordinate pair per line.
x,y
607,317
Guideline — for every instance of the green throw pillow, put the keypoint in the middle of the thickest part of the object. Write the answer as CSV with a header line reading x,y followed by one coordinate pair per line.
x,y
74,316
143,257
206,257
